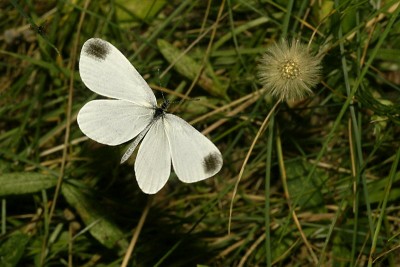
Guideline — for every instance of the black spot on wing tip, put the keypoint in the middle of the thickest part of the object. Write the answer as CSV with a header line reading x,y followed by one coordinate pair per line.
x,y
97,49
212,162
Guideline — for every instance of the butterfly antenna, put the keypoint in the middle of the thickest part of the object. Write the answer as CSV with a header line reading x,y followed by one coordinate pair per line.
x,y
159,84
183,100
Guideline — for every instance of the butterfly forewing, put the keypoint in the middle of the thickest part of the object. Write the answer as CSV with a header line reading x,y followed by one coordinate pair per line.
x,y
194,157
106,71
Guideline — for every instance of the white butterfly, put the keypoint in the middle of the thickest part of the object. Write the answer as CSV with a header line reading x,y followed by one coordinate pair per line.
x,y
134,113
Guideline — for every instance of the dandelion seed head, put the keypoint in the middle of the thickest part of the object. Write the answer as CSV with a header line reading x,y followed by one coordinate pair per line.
x,y
288,72
290,69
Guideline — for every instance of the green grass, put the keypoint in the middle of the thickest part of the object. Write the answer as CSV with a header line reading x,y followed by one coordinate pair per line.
x,y
321,184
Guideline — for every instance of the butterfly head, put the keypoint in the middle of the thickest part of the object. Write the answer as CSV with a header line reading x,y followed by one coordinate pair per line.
x,y
160,111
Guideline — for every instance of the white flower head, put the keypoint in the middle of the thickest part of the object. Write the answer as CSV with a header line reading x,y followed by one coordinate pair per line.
x,y
288,72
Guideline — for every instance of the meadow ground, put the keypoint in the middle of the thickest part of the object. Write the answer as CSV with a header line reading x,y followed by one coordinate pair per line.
x,y
308,129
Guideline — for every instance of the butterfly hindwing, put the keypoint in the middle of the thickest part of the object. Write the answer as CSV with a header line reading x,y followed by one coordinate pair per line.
x,y
113,122
153,161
